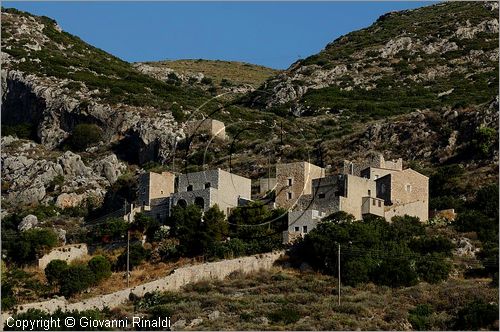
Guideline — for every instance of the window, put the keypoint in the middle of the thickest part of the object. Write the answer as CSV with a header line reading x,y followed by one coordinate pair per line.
x,y
290,181
207,185
322,195
182,203
369,192
189,188
304,229
161,192
200,202
382,188
379,203
289,195
143,203
297,228
373,202
408,188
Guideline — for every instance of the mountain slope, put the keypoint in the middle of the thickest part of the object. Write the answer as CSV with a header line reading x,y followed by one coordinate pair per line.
x,y
444,54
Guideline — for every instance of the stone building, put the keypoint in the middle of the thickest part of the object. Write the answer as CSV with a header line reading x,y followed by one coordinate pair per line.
x,y
208,188
344,192
376,186
404,192
300,223
211,127
153,194
293,181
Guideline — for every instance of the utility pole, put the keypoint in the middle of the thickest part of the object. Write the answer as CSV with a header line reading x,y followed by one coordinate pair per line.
x,y
339,271
128,258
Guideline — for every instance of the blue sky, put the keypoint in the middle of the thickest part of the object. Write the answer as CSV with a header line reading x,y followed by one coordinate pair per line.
x,y
273,34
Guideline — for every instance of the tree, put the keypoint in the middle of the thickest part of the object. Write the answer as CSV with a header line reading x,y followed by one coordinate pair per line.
x,y
84,135
405,227
137,254
433,267
55,271
185,225
101,267
77,278
339,217
396,269
32,243
215,225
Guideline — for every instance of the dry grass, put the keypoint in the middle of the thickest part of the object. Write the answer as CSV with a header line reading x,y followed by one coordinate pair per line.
x,y
309,300
234,71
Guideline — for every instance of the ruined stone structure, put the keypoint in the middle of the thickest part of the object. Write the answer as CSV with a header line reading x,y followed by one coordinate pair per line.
x,y
211,127
208,188
293,181
66,253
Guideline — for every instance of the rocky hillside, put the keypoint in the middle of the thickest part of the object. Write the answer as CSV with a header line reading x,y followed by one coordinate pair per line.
x,y
444,54
54,81
419,84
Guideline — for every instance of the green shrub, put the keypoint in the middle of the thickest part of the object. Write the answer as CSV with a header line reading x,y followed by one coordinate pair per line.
x,y
55,271
31,243
77,278
101,267
477,315
419,317
286,315
177,113
433,268
136,256
84,135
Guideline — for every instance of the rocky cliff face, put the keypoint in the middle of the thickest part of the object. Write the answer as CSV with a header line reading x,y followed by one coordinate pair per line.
x,y
32,174
441,52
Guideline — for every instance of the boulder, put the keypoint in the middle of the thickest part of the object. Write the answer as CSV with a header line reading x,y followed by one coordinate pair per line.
x,y
28,222
65,200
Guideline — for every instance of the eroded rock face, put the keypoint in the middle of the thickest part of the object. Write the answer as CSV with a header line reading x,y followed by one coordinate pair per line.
x,y
34,176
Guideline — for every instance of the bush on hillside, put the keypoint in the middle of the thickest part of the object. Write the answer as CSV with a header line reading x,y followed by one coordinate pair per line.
x,y
77,278
477,315
84,135
101,267
55,271
137,254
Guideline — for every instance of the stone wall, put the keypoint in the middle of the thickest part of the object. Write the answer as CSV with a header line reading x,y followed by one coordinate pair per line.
x,y
416,209
180,277
66,253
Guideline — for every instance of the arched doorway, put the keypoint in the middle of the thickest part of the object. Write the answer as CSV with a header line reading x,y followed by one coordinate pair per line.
x,y
182,203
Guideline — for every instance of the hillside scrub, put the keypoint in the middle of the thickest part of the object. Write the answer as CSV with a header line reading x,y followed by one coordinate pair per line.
x,y
394,254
